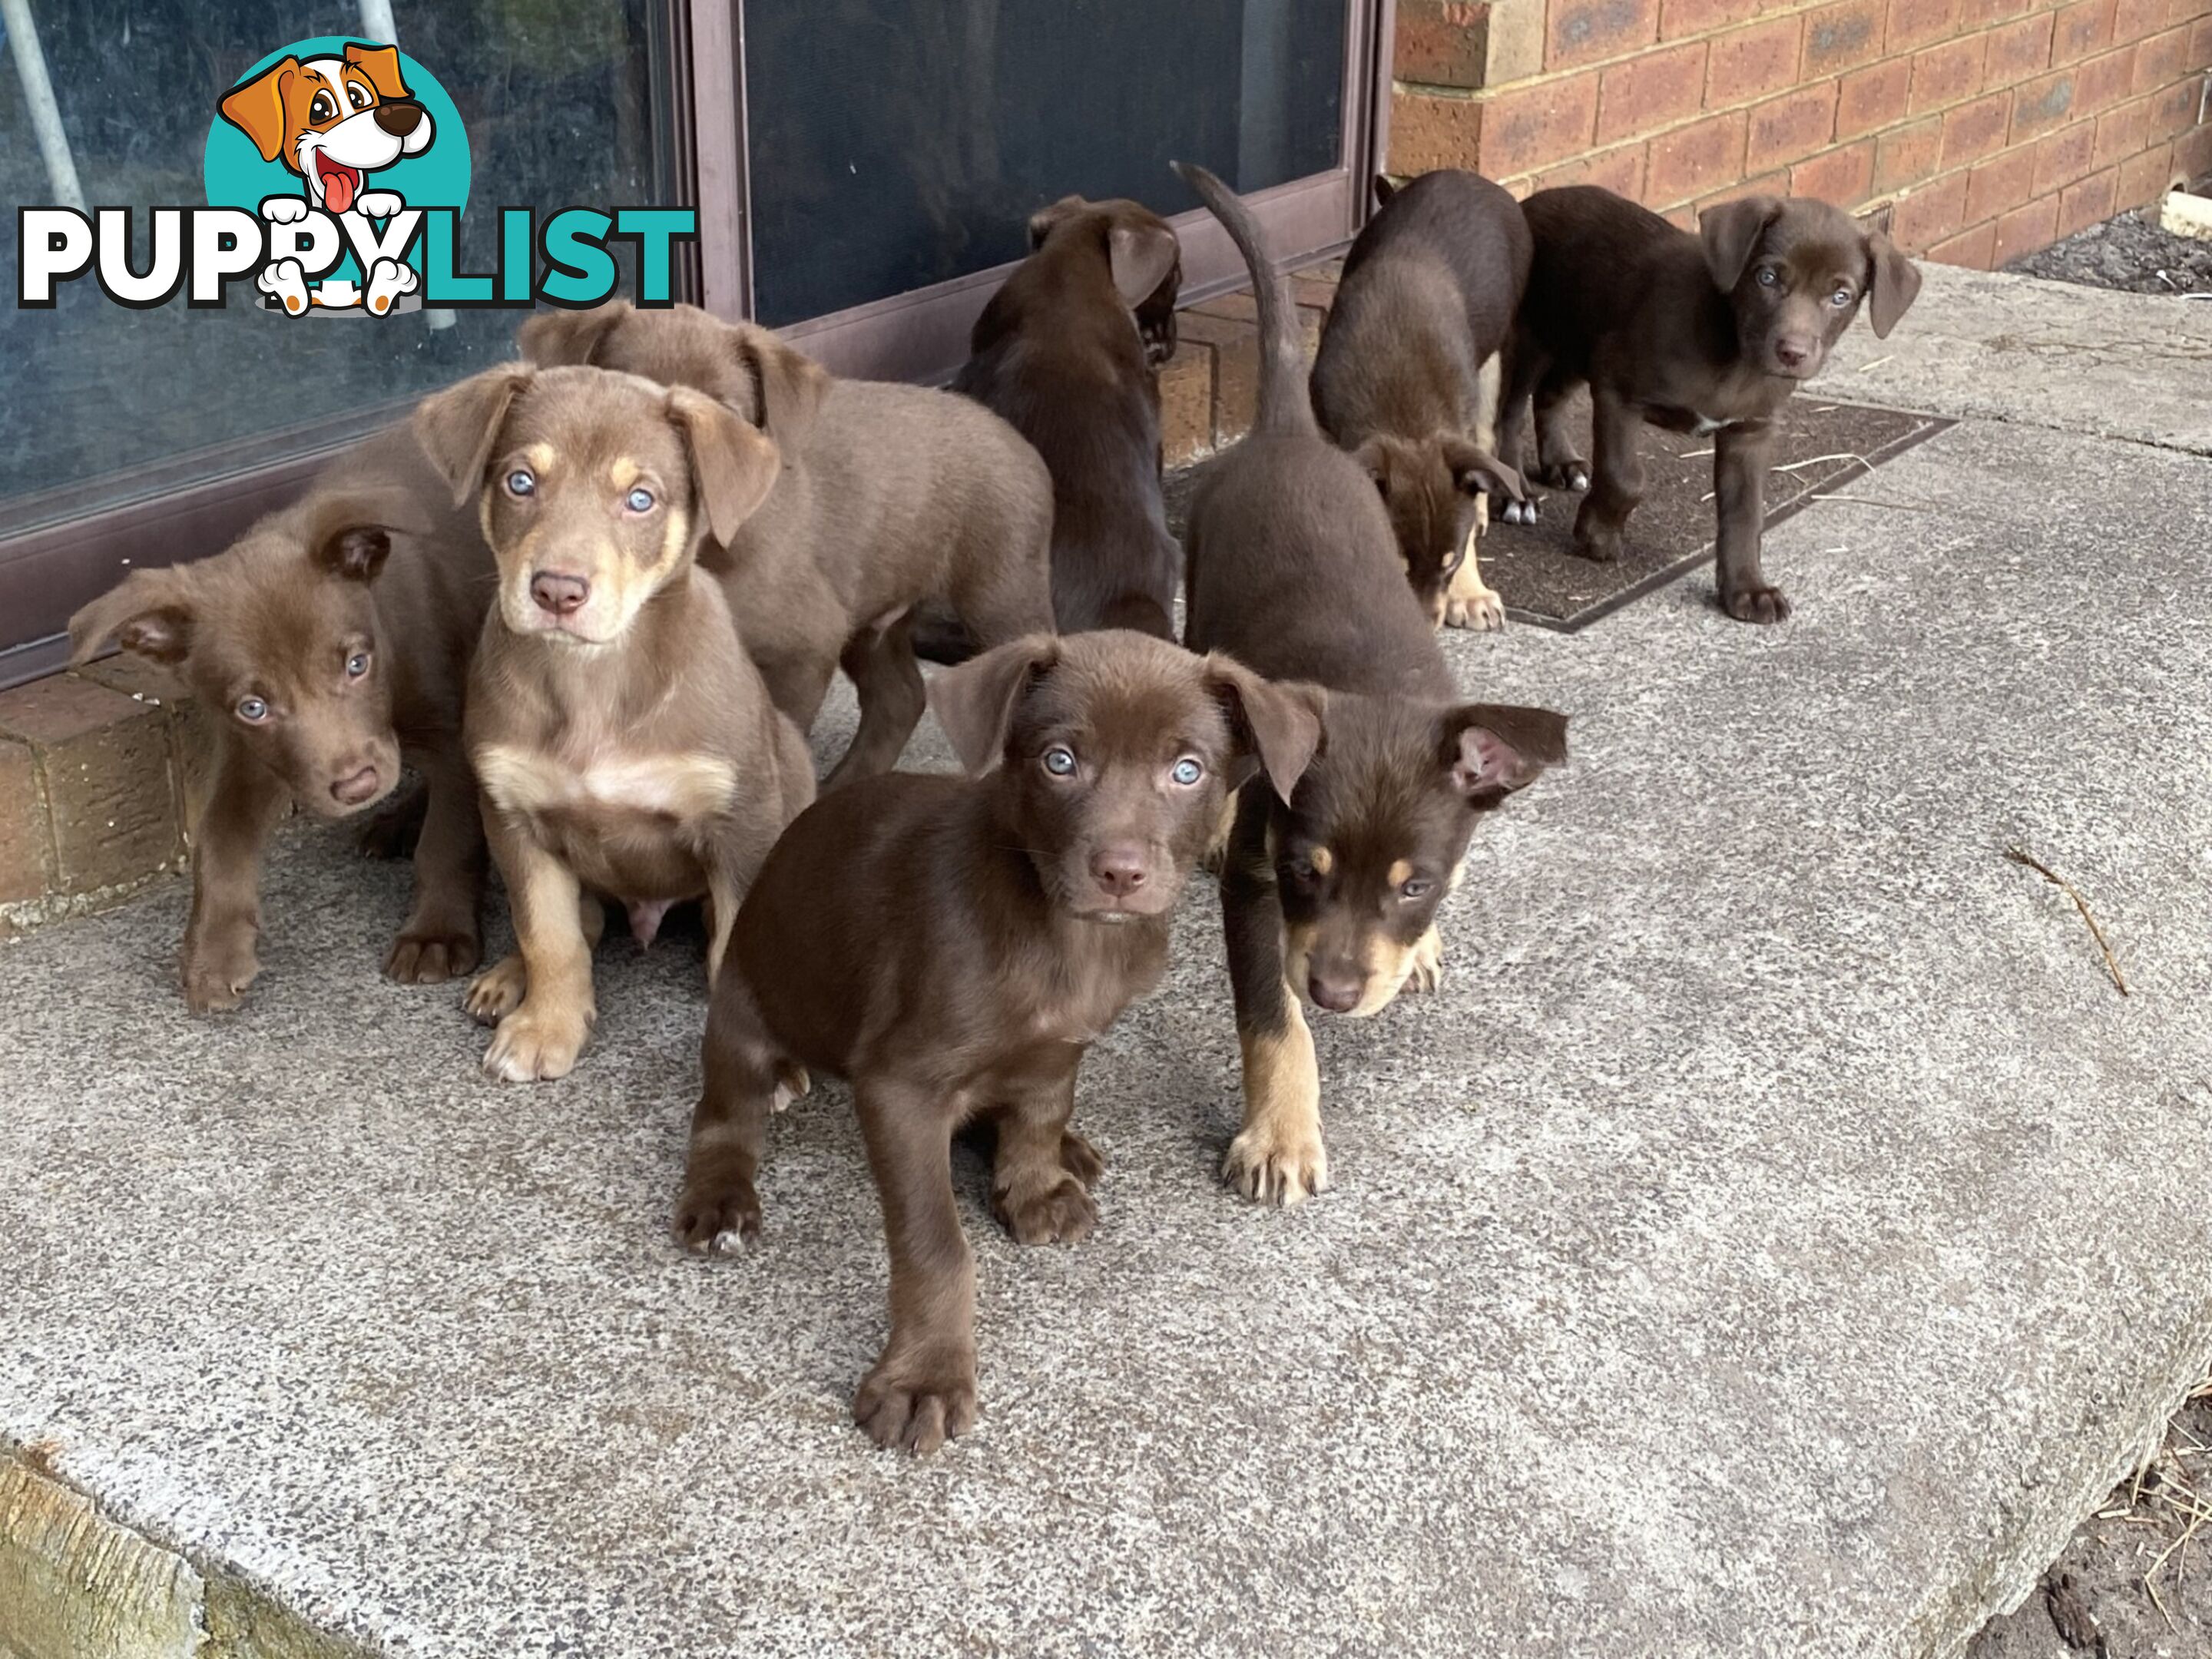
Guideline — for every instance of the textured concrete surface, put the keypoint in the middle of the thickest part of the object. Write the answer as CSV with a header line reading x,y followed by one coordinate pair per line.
x,y
1774,1236
2012,348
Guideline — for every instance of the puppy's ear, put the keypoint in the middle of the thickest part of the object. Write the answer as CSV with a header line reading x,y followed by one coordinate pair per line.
x,y
1141,257
975,702
1384,190
788,387
1476,471
557,339
1280,724
1046,220
1494,749
148,611
257,109
381,65
1731,233
1893,283
457,426
733,464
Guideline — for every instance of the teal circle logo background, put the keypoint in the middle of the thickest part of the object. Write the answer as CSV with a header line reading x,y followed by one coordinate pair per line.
x,y
236,176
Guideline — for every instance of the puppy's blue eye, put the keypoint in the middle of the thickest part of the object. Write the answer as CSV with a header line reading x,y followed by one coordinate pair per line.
x,y
1188,770
1840,298
1419,888
252,710
1767,277
521,482
638,501
357,665
1060,761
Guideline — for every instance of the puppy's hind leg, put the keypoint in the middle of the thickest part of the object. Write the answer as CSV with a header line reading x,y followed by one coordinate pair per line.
x,y
717,1211
1524,365
880,662
1556,463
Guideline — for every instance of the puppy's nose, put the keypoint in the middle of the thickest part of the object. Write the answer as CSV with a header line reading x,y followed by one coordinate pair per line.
x,y
1118,870
1791,354
355,788
399,119
1334,989
558,594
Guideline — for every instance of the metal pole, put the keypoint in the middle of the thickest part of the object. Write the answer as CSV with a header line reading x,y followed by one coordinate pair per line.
x,y
39,94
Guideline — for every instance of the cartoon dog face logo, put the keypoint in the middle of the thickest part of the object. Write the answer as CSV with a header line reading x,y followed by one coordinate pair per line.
x,y
332,120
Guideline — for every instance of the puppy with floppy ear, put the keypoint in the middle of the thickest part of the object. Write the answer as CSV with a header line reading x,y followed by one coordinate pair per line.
x,y
625,741
328,643
952,945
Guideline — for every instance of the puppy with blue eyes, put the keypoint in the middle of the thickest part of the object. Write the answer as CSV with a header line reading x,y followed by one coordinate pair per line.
x,y
623,740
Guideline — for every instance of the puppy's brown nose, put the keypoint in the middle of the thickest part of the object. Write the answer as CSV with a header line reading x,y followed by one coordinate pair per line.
x,y
399,119
1790,354
557,593
355,788
1118,870
1334,989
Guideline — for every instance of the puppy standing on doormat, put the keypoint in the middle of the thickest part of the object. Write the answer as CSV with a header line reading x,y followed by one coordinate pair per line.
x,y
329,642
1407,375
1068,351
1708,333
952,946
1329,895
624,741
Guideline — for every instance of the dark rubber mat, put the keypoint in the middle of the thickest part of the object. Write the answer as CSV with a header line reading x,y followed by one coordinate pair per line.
x,y
1819,447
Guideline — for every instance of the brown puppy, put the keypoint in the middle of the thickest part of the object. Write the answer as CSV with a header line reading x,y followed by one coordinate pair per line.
x,y
1407,375
1062,353
1708,333
625,742
329,641
1330,897
890,496
953,946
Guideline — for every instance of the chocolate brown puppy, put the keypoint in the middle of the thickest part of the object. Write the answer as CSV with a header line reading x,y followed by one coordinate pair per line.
x,y
624,739
1407,375
888,497
953,946
1062,353
329,643
1708,333
1329,895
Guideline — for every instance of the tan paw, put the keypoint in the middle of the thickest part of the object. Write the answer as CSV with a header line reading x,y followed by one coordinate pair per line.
x,y
533,1045
497,992
1273,1162
1483,608
1425,962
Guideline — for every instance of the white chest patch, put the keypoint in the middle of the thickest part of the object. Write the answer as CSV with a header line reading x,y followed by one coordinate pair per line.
x,y
530,781
1706,425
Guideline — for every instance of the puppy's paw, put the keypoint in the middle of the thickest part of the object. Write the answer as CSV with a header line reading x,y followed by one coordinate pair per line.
x,y
917,1401
431,954
1275,1164
1758,603
390,279
1425,962
1080,1158
498,991
377,203
285,281
718,1212
283,209
792,1082
1483,608
1598,546
1033,1213
218,969
1519,512
533,1045
1567,474
392,829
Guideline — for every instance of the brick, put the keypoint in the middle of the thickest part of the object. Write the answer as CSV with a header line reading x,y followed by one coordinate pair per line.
x,y
2134,19
1843,176
2018,51
1999,184
2192,155
1871,99
1187,403
2121,132
1751,63
1585,30
2040,106
27,853
1619,170
1917,23
1526,128
1973,130
2064,157
1944,74
1650,92
1694,160
1904,155
1980,14
2024,230
2081,30
1926,215
193,729
1843,37
1229,325
1680,18
2143,178
2200,39
110,791
2162,59
1767,183
1428,132
2089,202
2102,82
1444,43
2173,111
1792,127
1970,248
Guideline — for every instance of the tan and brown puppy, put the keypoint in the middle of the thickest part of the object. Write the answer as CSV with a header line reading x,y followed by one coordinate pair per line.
x,y
888,497
625,742
329,641
953,946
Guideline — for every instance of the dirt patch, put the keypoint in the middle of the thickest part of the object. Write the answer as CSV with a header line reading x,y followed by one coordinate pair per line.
x,y
2132,252
2136,1582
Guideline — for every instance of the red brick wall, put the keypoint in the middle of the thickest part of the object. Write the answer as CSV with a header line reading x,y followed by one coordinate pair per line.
x,y
1993,126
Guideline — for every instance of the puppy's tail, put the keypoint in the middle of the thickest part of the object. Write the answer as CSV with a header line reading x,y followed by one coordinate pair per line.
x,y
1284,404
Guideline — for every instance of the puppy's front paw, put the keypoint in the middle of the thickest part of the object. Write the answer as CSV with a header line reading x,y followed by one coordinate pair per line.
x,y
1426,969
377,203
498,991
1034,1213
1519,512
285,281
431,954
534,1045
1484,608
1599,545
1567,474
1080,1158
917,1401
283,209
1758,603
1273,1162
387,283
718,1212
218,968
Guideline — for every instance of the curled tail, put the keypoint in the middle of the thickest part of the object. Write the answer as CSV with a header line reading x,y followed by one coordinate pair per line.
x,y
1284,404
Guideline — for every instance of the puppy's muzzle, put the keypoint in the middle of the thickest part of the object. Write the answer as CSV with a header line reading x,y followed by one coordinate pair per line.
x,y
399,119
557,593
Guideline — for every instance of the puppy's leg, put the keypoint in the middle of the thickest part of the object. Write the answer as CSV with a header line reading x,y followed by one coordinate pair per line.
x,y
1042,1173
245,801
1556,463
1618,482
1277,1156
441,941
1740,459
719,1209
1471,602
394,829
1524,367
542,1038
880,662
497,992
922,1389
